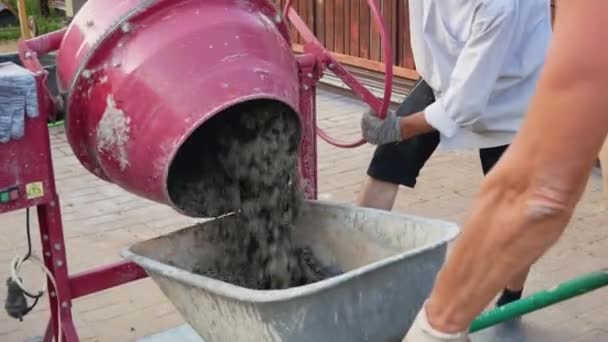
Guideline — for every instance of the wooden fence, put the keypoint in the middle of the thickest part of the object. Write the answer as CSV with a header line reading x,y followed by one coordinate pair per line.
x,y
346,28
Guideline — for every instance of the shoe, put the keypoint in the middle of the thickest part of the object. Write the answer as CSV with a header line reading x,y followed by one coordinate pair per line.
x,y
508,296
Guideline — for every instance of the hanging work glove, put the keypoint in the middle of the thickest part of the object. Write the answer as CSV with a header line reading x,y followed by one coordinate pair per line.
x,y
18,97
421,331
380,132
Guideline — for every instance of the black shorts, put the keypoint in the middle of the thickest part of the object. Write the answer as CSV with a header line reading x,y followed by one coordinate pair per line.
x,y
400,163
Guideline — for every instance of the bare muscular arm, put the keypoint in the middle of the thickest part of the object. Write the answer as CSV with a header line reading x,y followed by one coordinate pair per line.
x,y
527,200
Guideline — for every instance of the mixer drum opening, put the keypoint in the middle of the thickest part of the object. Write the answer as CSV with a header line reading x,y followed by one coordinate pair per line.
x,y
203,179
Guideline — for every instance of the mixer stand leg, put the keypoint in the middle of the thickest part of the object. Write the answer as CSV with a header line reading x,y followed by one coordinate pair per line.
x,y
48,332
309,75
53,248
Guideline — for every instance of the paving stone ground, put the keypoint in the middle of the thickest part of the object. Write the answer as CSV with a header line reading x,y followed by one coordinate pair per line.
x,y
8,46
100,219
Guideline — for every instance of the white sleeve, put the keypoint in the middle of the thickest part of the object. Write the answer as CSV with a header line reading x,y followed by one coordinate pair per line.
x,y
476,71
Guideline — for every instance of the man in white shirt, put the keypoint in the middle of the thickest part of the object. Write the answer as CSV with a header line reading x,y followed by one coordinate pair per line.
x,y
479,62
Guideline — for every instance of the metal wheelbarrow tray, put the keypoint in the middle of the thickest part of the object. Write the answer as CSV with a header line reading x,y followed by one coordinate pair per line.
x,y
389,261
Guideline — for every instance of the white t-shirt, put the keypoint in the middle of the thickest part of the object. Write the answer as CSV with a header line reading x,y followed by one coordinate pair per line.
x,y
483,59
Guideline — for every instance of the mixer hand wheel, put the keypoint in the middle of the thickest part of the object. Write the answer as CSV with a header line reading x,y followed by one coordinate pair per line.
x,y
379,106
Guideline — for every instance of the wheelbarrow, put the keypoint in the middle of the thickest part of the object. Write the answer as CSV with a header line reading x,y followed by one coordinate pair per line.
x,y
385,264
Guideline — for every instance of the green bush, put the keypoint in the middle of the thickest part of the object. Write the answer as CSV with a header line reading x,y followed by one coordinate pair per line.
x,y
45,24
9,33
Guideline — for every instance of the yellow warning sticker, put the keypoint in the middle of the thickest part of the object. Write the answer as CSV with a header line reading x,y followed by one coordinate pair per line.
x,y
34,190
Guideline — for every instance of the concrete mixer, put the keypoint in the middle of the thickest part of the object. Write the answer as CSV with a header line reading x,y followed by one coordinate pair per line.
x,y
222,52
139,81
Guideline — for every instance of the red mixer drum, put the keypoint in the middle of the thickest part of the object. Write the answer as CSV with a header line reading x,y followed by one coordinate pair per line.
x,y
140,77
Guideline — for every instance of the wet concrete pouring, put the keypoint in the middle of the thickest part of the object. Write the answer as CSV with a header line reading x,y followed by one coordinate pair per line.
x,y
247,164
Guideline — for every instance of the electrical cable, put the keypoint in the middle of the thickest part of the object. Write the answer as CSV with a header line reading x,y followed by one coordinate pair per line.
x,y
16,304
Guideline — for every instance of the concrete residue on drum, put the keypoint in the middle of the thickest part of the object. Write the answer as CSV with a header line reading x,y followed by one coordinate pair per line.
x,y
113,133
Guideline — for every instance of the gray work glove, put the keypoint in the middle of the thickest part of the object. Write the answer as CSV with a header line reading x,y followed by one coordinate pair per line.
x,y
421,331
380,132
18,97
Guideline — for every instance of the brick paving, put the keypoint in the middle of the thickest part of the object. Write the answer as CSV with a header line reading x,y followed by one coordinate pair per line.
x,y
100,219
8,46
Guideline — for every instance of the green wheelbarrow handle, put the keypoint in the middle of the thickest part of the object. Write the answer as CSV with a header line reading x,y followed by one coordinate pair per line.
x,y
542,299
55,123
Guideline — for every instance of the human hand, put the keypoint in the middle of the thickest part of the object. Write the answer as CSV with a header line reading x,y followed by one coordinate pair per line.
x,y
421,331
18,98
379,132
12,112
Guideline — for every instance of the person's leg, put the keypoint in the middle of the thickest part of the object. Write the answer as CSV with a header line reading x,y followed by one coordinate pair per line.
x,y
603,164
490,156
399,164
514,288
393,165
377,194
